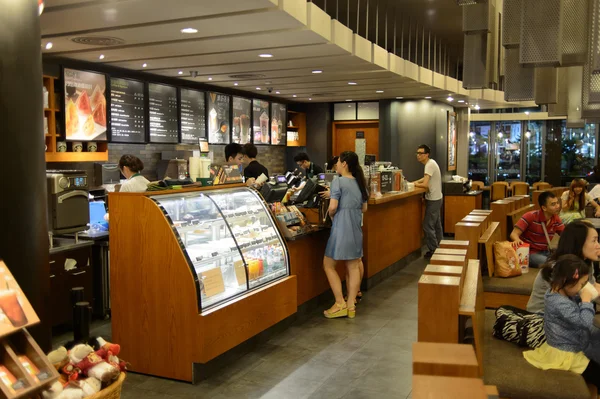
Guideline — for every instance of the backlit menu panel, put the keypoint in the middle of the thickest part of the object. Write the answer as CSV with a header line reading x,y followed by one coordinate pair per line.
x,y
127,111
164,123
192,115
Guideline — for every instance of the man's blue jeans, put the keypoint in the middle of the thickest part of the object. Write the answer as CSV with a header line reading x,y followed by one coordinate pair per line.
x,y
539,258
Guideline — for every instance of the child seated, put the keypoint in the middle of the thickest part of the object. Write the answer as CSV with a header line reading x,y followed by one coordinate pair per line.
x,y
573,343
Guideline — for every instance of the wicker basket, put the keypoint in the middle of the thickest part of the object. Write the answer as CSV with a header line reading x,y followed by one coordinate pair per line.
x,y
113,391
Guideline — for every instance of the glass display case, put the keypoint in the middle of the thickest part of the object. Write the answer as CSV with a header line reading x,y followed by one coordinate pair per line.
x,y
229,239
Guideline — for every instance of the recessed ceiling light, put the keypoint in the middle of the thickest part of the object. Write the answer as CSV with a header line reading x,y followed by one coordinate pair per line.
x,y
461,101
144,65
101,56
477,107
317,71
450,99
235,83
310,99
48,45
277,92
265,55
379,91
427,98
180,73
209,78
258,88
352,83
189,30
294,96
526,112
349,99
399,98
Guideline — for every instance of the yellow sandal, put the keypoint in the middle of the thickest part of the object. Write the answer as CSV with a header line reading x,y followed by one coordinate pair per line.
x,y
332,313
351,312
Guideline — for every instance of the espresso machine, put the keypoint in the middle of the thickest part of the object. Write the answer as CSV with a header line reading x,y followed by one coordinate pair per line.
x,y
68,203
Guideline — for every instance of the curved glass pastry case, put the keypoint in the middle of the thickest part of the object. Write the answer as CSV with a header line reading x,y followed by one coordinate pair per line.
x,y
229,239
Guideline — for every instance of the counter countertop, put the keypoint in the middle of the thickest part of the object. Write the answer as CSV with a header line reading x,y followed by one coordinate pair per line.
x,y
468,194
68,244
305,235
389,197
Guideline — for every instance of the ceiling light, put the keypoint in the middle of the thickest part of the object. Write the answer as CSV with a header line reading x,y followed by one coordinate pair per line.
x,y
209,78
294,96
101,56
235,83
379,91
277,92
310,99
189,30
399,98
180,73
258,88
48,45
477,107
265,55
352,83
526,112
427,98
450,99
317,71
461,101
144,65
349,100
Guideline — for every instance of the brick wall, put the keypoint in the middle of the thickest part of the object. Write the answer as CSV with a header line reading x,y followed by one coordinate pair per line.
x,y
274,158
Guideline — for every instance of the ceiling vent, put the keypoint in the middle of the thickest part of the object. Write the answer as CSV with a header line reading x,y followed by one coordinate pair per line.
x,y
470,2
98,40
248,76
323,94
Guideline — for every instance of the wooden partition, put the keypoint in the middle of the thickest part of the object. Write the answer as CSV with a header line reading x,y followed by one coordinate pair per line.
x,y
536,195
449,360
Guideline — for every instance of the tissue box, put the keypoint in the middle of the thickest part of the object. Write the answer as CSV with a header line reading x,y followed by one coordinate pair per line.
x,y
523,256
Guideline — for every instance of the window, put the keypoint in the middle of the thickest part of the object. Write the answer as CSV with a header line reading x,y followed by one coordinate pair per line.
x,y
533,151
507,160
578,151
479,151
344,111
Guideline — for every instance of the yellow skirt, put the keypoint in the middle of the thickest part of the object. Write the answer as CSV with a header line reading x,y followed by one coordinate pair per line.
x,y
548,358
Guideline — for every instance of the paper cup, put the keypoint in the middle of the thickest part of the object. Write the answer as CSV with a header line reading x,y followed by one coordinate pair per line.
x,y
591,289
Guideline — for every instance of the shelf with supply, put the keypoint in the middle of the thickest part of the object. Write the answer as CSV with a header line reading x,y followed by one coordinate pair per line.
x,y
52,111
296,129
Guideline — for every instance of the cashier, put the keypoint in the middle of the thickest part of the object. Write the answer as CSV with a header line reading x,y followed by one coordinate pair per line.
x,y
131,166
234,154
304,162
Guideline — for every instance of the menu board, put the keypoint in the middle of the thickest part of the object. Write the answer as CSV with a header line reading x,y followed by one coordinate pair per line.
x,y
127,111
192,116
218,118
85,105
15,310
260,125
164,125
278,128
241,131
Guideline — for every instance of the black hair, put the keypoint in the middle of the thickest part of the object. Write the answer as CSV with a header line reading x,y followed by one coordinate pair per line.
x,y
544,197
332,162
567,271
223,123
425,148
132,162
571,242
250,150
231,150
354,167
301,157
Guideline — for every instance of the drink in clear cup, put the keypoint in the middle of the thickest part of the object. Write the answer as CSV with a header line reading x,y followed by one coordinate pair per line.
x,y
9,303
264,127
213,124
245,128
274,132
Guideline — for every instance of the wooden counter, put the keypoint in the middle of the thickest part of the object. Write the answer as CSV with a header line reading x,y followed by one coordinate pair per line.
x,y
392,229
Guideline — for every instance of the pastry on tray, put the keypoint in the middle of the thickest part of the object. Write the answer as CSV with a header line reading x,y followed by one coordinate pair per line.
x,y
83,103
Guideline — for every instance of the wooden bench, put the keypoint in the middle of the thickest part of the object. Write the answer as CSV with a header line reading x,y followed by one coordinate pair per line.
x,y
470,229
427,387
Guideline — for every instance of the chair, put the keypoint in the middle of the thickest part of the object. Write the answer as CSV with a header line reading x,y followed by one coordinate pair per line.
x,y
541,186
499,190
477,185
520,188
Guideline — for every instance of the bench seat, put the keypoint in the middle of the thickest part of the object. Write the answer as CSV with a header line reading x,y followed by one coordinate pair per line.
x,y
521,285
505,367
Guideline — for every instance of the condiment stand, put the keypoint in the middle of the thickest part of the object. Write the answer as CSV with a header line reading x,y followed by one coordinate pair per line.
x,y
24,370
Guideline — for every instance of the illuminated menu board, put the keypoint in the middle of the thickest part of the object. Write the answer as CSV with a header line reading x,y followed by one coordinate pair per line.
x,y
192,115
162,107
127,111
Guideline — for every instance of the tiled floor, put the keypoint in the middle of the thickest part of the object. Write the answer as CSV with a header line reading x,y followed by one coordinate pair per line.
x,y
368,357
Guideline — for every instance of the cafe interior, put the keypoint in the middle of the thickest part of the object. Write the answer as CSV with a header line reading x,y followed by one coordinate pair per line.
x,y
214,286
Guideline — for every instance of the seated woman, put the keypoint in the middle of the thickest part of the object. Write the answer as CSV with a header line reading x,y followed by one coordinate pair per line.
x,y
572,341
579,238
575,200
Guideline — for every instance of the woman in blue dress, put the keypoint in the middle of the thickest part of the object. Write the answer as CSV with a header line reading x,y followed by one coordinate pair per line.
x,y
348,202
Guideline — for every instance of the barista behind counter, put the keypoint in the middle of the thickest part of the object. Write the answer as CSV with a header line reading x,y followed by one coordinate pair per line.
x,y
131,166
310,168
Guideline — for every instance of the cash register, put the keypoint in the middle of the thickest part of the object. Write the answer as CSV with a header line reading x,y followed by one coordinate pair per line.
x,y
275,189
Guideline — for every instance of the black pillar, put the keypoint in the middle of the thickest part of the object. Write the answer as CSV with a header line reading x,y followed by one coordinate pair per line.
x,y
23,226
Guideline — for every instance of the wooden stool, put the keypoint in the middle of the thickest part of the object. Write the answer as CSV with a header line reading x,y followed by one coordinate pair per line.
x,y
439,300
449,360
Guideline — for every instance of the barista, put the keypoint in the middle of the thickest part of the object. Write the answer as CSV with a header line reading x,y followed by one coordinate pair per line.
x,y
253,169
304,162
131,166
234,154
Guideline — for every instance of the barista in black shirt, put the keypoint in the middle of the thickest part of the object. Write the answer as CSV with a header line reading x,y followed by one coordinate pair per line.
x,y
252,169
304,162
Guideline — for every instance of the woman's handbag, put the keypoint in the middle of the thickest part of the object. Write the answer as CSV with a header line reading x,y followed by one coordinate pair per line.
x,y
519,327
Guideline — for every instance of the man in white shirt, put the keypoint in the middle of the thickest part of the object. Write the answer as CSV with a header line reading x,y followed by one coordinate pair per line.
x,y
432,182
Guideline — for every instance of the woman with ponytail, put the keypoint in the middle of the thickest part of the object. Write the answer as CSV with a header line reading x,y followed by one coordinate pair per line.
x,y
348,201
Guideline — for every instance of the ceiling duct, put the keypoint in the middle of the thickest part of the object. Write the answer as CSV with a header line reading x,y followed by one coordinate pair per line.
x,y
511,23
545,85
477,18
469,2
590,101
248,76
98,40
518,80
480,46
562,93
475,61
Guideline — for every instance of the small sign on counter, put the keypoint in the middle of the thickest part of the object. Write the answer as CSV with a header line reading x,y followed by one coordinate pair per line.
x,y
240,272
213,282
387,183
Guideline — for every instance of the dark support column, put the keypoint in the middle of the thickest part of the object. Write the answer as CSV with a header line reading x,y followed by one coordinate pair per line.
x,y
23,226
